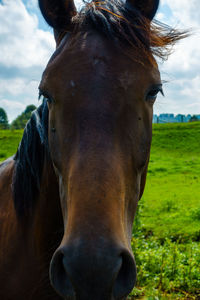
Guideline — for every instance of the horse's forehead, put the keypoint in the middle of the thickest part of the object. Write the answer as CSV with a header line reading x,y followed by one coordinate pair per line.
x,y
89,46
92,53
94,43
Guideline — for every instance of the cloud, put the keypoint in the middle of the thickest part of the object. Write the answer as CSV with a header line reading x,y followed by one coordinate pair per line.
x,y
18,86
14,107
24,52
181,96
22,44
186,13
32,4
181,71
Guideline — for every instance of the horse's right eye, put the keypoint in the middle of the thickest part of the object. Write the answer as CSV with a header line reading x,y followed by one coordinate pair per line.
x,y
152,94
47,99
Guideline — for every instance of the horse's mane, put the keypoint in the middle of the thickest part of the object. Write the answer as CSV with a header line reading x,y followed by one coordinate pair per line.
x,y
113,19
29,161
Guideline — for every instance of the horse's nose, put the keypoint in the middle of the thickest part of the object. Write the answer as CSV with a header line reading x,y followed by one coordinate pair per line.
x,y
102,274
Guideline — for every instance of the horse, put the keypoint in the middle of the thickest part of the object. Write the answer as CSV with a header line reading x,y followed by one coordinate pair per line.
x,y
69,195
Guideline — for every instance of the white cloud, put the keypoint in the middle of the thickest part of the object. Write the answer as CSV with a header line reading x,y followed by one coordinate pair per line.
x,y
17,86
192,88
186,13
14,107
182,68
22,44
32,4
181,96
160,16
24,52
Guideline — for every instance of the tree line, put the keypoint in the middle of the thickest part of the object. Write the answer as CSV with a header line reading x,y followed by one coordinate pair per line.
x,y
19,122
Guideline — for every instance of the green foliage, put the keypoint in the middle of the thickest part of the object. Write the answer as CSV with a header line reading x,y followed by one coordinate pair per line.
x,y
3,119
167,225
21,120
194,119
167,268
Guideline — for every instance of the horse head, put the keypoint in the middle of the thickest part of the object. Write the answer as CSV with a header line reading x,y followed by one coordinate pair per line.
x,y
100,86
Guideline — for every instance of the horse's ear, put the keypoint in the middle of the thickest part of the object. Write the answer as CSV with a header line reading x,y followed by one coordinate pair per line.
x,y
58,13
148,8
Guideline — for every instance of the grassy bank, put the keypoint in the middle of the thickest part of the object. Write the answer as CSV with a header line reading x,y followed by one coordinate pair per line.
x,y
167,226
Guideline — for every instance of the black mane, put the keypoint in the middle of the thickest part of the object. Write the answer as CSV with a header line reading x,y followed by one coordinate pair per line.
x,y
114,20
29,161
126,25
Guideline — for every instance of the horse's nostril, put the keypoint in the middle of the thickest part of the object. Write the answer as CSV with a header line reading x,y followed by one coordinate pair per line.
x,y
58,275
126,276
75,275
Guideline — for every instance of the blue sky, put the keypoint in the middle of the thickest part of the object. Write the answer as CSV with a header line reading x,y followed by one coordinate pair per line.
x,y
26,44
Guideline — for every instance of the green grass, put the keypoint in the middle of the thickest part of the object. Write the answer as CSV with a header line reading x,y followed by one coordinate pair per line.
x,y
166,270
171,202
167,226
9,141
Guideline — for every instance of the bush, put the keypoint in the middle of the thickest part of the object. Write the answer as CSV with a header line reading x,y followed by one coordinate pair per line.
x,y
3,119
20,121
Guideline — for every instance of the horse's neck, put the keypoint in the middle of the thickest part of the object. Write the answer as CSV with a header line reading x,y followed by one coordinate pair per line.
x,y
27,244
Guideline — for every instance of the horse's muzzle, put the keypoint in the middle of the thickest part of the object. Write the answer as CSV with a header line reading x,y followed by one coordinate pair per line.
x,y
105,273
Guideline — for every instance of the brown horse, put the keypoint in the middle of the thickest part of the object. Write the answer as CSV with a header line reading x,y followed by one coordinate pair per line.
x,y
69,195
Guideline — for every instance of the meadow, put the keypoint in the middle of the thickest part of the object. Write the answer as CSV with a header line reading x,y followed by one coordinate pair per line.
x,y
166,231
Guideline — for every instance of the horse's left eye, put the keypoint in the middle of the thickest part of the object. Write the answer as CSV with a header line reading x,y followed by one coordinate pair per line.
x,y
47,99
152,94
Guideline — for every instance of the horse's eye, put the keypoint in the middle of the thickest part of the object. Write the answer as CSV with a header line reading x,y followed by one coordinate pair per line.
x,y
152,94
45,97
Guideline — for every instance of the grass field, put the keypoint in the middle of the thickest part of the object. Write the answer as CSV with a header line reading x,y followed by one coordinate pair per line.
x,y
9,141
166,232
171,202
167,226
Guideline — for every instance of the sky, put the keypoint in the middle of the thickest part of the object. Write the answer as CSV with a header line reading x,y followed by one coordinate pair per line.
x,y
26,44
